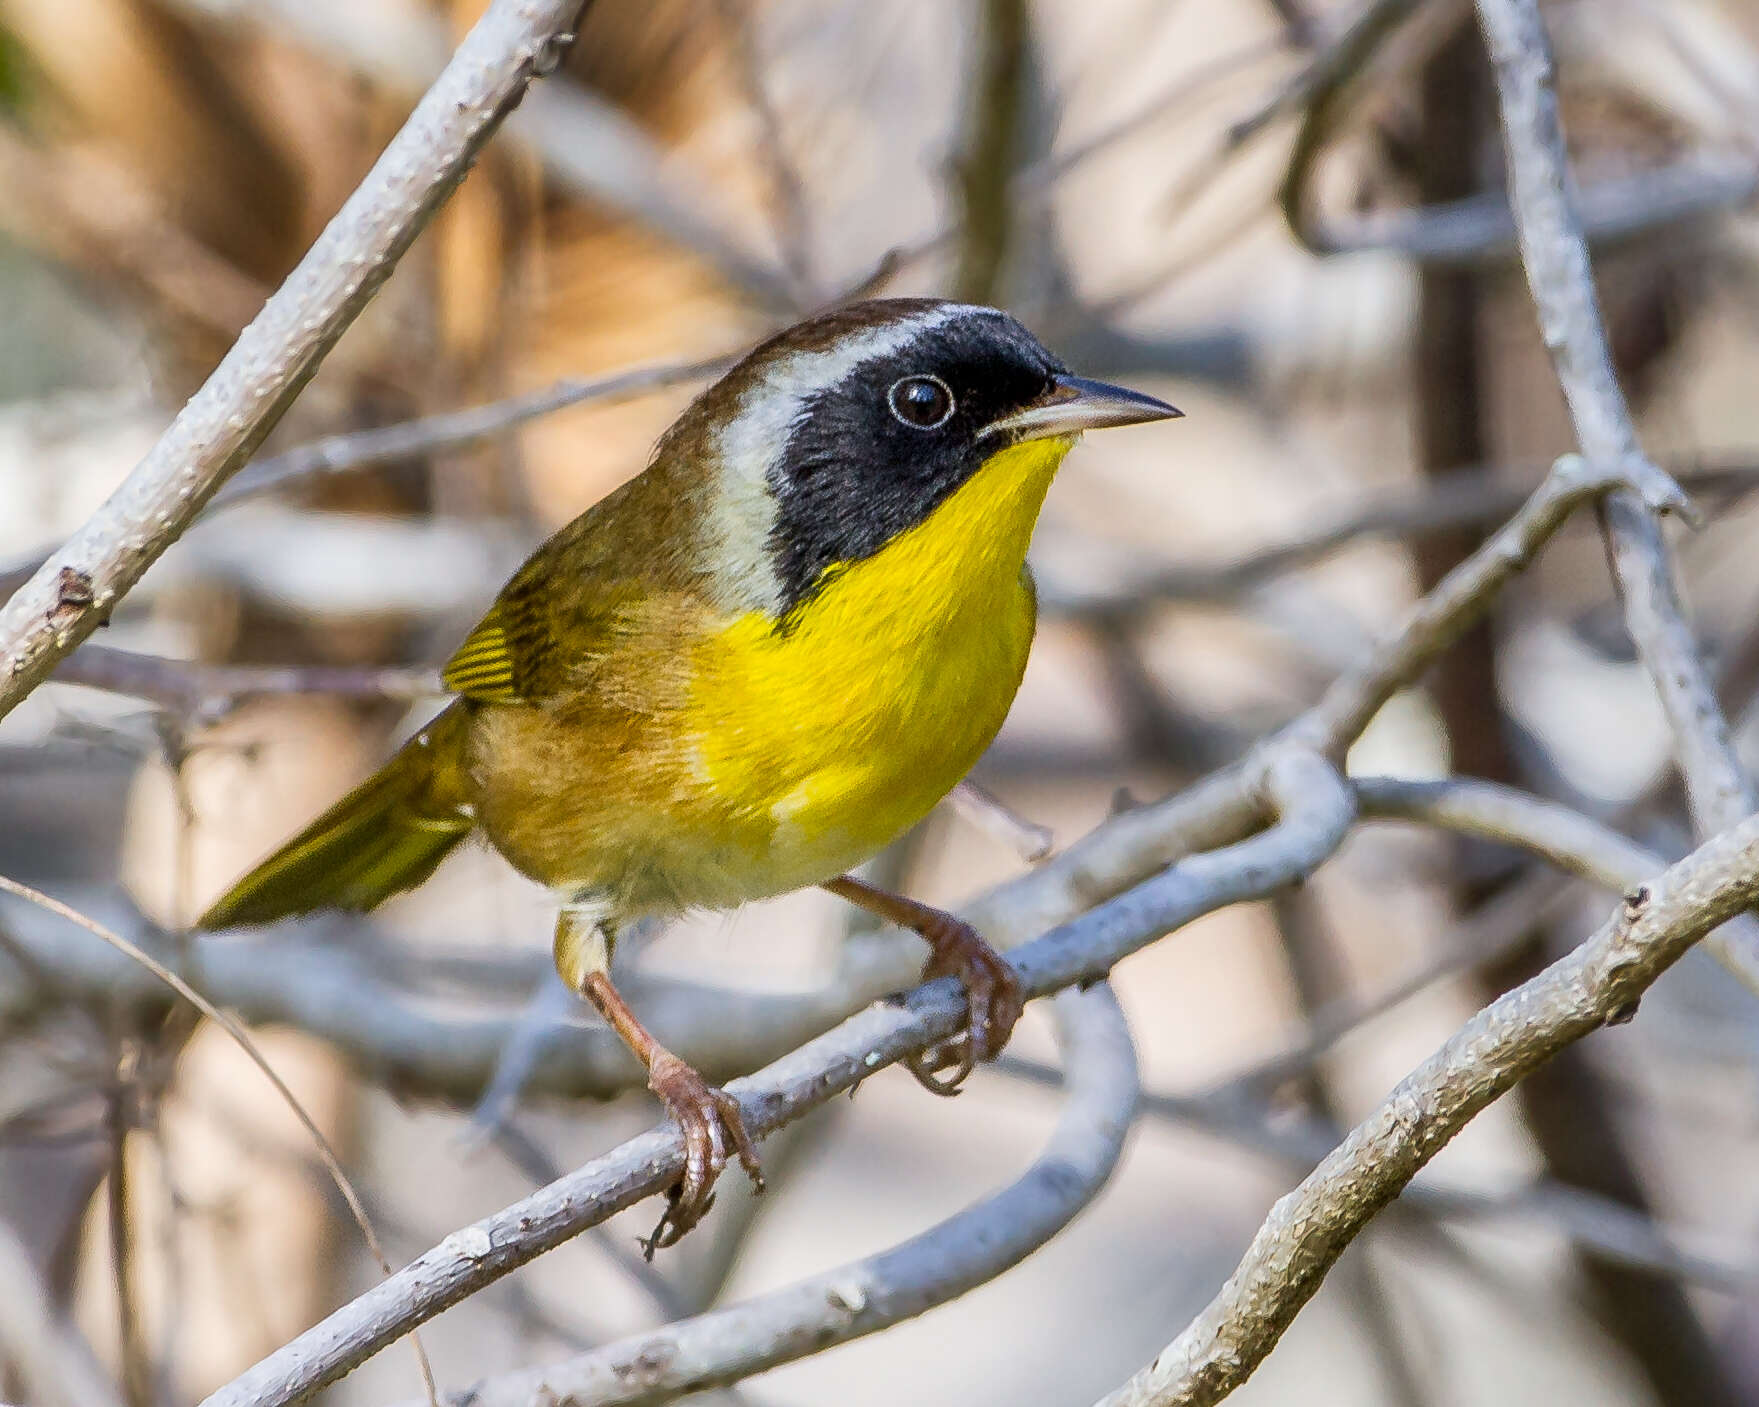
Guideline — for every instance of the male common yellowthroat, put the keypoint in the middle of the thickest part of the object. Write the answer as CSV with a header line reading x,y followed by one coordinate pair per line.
x,y
747,670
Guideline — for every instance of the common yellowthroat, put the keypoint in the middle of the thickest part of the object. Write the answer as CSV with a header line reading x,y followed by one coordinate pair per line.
x,y
746,671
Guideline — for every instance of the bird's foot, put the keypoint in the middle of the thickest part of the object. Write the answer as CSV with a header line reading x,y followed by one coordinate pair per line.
x,y
993,997
712,1127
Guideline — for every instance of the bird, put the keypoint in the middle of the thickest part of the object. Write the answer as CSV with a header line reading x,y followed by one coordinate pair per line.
x,y
745,672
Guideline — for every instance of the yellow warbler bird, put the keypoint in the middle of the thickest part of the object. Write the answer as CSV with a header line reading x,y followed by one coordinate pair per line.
x,y
746,671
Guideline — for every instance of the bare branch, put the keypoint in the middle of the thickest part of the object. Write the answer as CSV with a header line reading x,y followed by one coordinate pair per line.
x,y
1315,811
454,429
1556,259
587,144
1457,498
333,990
1598,984
273,358
851,1301
209,691
1027,839
1458,600
1482,229
1565,837
787,191
1570,840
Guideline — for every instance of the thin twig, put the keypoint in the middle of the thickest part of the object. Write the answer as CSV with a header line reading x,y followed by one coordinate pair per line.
x,y
205,692
990,152
588,145
135,1372
241,1038
455,429
1459,498
1027,839
55,1367
787,191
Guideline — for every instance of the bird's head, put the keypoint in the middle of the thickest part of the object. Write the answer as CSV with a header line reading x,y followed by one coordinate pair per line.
x,y
836,436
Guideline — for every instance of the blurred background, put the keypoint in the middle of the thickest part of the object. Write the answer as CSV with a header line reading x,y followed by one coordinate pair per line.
x,y
1282,215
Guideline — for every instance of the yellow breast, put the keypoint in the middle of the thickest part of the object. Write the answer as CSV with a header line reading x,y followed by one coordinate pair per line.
x,y
822,741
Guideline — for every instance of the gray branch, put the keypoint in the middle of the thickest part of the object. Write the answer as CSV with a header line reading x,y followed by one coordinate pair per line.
x,y
1598,984
861,1298
1555,255
216,431
1315,809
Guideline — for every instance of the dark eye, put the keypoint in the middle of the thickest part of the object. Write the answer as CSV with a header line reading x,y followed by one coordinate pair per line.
x,y
921,402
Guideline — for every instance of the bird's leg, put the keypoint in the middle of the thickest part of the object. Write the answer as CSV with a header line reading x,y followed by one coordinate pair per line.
x,y
992,991
708,1117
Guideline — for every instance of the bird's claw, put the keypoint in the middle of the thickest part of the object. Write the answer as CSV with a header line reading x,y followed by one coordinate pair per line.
x,y
713,1126
993,998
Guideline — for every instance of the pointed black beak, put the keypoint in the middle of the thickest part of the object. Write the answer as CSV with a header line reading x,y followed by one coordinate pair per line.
x,y
1074,404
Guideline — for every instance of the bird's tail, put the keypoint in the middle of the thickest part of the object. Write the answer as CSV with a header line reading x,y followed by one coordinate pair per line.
x,y
387,835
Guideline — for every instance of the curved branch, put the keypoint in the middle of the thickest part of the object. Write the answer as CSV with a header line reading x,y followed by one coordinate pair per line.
x,y
1568,839
1557,833
1315,810
962,1252
1597,984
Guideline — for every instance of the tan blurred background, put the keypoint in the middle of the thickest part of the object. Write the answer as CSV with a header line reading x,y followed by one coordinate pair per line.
x,y
1098,167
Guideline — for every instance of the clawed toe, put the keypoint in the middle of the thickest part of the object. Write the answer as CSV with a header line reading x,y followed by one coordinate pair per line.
x,y
993,995
713,1126
941,1069
993,998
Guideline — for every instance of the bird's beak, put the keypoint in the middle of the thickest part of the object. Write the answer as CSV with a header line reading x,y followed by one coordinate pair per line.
x,y
1074,404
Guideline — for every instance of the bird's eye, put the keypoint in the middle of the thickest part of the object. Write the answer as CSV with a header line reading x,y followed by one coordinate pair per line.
x,y
921,402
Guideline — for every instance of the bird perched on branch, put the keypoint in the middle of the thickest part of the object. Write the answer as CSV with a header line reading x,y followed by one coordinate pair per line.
x,y
746,671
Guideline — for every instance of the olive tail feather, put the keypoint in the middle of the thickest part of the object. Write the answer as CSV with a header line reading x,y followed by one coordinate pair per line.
x,y
387,835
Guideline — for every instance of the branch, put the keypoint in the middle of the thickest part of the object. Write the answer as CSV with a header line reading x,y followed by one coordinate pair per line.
x,y
984,170
1565,837
1459,498
588,145
334,991
209,691
1315,810
787,191
1568,839
1457,601
1597,984
1482,230
861,1298
1556,259
455,429
215,433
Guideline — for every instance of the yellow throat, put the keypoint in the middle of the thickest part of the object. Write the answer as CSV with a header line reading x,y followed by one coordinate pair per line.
x,y
826,737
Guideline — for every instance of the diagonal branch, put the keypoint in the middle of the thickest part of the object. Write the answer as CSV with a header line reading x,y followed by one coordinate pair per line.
x,y
1315,810
1598,984
852,1301
1555,256
75,591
